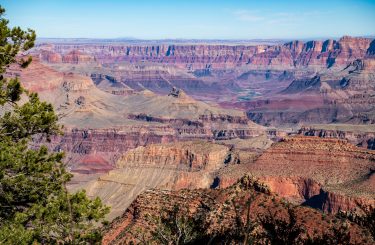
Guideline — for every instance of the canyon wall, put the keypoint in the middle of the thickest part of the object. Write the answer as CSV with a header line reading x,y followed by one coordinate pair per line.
x,y
357,135
333,96
297,82
207,56
329,174
311,171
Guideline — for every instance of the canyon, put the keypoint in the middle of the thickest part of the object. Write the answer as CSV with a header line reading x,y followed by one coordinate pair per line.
x,y
296,82
148,125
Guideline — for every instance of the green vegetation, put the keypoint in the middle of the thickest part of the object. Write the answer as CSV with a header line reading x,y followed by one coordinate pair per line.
x,y
35,206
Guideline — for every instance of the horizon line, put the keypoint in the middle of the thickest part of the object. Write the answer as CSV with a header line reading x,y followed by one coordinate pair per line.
x,y
210,39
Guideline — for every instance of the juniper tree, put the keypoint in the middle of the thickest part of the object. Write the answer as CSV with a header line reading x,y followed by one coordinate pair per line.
x,y
35,206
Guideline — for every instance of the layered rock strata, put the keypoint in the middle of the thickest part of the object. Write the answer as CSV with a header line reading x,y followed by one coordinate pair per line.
x,y
167,166
205,56
360,135
329,174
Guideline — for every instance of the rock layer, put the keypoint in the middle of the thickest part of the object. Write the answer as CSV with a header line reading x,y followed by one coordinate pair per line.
x,y
363,136
339,174
199,56
166,166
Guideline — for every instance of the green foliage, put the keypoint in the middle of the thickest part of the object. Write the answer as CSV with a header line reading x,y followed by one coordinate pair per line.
x,y
35,206
67,218
31,118
12,41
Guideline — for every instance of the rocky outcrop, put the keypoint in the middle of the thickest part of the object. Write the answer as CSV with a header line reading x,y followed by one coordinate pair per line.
x,y
221,127
50,56
77,57
311,193
92,164
303,85
331,202
76,83
297,189
220,209
156,77
110,143
37,77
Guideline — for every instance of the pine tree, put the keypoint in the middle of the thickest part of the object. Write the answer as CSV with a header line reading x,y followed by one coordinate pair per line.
x,y
35,206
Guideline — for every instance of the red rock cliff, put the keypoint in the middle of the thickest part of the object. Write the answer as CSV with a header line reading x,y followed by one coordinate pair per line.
x,y
199,56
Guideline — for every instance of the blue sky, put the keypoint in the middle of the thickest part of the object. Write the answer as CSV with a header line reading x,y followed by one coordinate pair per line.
x,y
194,19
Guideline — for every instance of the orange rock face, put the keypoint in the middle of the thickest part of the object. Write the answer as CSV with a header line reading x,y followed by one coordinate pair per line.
x,y
329,174
77,57
293,188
